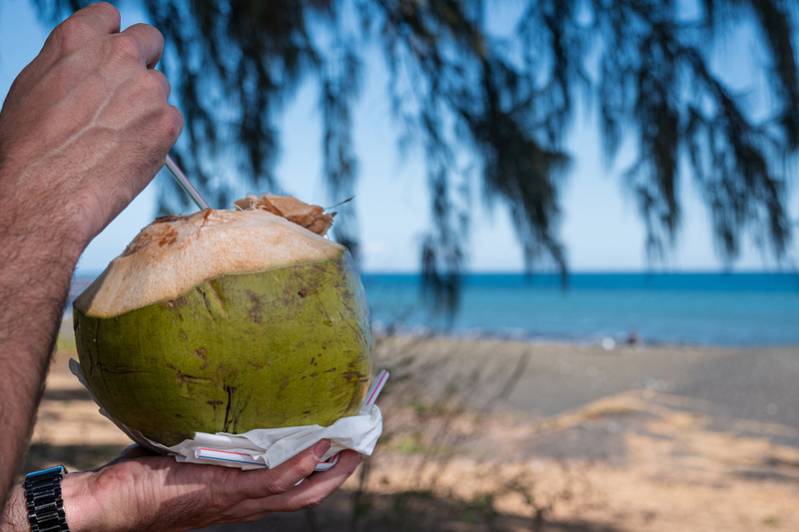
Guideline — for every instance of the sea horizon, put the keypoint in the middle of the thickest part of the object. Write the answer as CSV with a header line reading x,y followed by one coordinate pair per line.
x,y
718,308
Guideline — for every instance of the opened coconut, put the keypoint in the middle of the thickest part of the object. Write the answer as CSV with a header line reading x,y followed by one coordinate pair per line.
x,y
227,321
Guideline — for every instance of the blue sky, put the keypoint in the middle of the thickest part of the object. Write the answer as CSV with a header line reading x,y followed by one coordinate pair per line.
x,y
600,228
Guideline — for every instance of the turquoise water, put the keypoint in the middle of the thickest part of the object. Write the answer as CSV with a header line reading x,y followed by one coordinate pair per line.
x,y
741,309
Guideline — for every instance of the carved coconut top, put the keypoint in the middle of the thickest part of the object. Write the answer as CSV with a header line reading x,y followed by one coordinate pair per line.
x,y
176,253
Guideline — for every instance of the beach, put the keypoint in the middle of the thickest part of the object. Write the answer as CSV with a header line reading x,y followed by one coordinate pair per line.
x,y
487,434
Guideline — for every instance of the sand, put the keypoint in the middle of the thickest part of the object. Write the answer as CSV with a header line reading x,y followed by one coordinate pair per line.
x,y
501,435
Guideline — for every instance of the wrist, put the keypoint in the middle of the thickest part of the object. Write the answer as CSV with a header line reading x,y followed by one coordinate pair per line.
x,y
112,498
36,229
80,505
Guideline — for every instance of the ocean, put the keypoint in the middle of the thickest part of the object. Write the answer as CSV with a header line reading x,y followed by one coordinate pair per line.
x,y
737,309
740,309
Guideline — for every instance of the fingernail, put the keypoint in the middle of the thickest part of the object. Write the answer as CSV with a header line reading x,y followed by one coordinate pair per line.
x,y
320,448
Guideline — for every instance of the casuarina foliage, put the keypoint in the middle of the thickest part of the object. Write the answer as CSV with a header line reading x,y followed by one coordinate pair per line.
x,y
490,105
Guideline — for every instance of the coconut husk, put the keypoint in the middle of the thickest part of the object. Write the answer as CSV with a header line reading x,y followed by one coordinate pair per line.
x,y
312,217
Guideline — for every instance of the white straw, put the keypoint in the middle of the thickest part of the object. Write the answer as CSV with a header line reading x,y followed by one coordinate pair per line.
x,y
185,184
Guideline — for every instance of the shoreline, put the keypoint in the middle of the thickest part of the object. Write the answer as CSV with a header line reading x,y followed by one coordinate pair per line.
x,y
545,339
619,342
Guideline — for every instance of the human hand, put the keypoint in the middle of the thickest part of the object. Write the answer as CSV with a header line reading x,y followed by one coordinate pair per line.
x,y
158,493
86,124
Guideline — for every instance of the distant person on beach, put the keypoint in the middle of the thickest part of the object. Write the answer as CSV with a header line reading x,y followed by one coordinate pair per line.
x,y
83,129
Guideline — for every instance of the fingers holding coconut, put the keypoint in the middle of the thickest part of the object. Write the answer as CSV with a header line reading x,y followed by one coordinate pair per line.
x,y
310,492
317,487
258,484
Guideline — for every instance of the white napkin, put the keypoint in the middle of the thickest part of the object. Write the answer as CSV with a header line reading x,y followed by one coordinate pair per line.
x,y
270,447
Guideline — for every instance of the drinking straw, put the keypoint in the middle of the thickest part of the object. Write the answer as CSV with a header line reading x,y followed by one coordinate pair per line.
x,y
185,184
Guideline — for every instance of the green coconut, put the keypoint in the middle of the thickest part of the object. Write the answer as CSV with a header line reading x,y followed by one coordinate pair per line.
x,y
226,321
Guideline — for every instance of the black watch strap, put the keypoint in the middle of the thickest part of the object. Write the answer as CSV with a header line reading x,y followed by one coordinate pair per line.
x,y
45,507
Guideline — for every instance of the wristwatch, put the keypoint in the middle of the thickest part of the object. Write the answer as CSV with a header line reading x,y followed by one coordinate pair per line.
x,y
45,507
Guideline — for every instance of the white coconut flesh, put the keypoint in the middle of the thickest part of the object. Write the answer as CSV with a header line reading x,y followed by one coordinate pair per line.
x,y
174,254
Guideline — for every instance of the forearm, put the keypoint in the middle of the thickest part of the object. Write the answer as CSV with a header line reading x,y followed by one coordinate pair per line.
x,y
14,518
37,254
